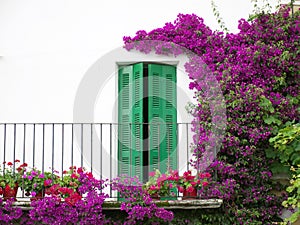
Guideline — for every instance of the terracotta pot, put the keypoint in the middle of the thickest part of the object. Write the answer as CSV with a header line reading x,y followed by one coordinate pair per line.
x,y
189,195
39,195
9,192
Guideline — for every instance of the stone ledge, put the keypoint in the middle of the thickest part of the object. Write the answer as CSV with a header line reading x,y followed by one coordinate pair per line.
x,y
195,203
24,204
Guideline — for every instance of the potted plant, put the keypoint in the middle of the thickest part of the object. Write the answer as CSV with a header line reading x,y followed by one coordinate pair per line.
x,y
10,178
70,178
67,187
188,184
158,185
34,182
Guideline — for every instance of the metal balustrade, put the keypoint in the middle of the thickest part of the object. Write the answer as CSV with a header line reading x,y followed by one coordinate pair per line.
x,y
94,146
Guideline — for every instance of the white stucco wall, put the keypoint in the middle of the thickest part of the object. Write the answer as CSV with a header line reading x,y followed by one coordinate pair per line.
x,y
46,47
53,53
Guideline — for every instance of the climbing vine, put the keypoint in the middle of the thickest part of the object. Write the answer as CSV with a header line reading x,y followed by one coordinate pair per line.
x,y
258,73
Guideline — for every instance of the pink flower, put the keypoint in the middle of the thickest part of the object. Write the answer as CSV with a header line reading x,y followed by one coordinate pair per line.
x,y
174,176
79,170
193,183
153,188
204,175
73,198
190,189
162,178
204,183
180,189
152,173
74,176
34,173
89,175
47,182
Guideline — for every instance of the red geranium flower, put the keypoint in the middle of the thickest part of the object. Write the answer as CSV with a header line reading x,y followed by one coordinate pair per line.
x,y
89,175
204,183
74,175
190,189
73,198
80,170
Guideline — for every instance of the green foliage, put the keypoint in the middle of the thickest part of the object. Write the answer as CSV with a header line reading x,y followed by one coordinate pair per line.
x,y
11,174
202,217
158,184
34,180
294,198
287,142
218,17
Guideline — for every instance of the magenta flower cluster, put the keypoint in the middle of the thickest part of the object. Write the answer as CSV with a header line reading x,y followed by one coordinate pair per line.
x,y
8,213
138,203
89,209
257,71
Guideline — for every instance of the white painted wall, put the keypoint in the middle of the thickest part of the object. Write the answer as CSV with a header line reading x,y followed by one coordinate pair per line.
x,y
46,46
48,49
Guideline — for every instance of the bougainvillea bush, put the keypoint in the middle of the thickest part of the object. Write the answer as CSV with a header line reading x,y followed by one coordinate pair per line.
x,y
74,209
138,203
258,72
64,206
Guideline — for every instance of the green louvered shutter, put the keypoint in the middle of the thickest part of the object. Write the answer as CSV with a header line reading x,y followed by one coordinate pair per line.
x,y
124,100
130,116
137,120
162,116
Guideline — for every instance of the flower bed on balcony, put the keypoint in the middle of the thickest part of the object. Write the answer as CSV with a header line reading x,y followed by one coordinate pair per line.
x,y
78,197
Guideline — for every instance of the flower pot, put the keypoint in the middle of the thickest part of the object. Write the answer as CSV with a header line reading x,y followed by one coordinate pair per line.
x,y
189,195
9,192
155,197
39,195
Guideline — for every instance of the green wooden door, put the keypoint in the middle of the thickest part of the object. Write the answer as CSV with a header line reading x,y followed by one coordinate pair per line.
x,y
130,116
162,116
158,83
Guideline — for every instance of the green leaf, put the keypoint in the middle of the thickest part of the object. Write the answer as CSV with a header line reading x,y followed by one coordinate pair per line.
x,y
271,153
272,119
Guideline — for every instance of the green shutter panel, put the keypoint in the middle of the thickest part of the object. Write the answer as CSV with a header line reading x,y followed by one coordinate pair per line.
x,y
130,116
137,120
162,117
124,101
170,109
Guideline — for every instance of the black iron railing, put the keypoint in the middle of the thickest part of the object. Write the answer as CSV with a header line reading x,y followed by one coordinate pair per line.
x,y
94,146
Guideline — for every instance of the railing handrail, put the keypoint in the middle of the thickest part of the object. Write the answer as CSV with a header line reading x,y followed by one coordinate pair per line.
x,y
87,123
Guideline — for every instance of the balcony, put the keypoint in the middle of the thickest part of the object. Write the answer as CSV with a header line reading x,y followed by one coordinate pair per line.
x,y
94,146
